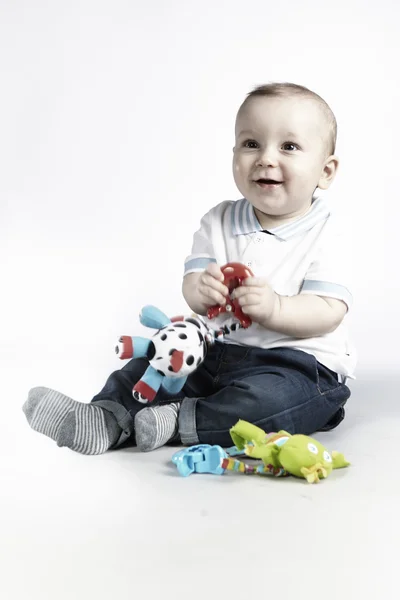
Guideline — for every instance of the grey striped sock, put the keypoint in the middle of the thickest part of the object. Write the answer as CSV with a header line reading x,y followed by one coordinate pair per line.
x,y
88,429
85,428
45,410
156,426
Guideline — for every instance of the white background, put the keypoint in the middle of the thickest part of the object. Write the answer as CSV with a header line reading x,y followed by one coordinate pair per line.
x,y
116,135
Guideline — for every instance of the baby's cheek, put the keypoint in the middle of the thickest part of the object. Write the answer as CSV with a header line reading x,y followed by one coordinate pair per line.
x,y
304,172
236,168
301,173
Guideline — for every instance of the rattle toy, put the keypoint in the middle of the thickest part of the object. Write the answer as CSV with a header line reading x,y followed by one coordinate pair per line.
x,y
282,454
234,274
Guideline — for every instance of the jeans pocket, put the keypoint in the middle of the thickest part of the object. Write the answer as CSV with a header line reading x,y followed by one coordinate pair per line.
x,y
233,357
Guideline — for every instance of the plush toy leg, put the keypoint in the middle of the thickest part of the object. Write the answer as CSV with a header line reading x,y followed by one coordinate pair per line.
x,y
339,460
173,385
132,347
244,432
314,474
148,385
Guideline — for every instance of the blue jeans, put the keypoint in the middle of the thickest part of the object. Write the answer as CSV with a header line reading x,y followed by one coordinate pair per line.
x,y
276,389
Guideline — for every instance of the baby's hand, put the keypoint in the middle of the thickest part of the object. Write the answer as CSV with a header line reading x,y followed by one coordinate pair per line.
x,y
257,299
210,286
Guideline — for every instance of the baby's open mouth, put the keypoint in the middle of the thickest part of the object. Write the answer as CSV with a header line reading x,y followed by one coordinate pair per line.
x,y
268,182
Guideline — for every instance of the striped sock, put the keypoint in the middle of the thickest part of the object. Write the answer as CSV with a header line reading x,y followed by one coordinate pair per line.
x,y
85,428
156,426
45,410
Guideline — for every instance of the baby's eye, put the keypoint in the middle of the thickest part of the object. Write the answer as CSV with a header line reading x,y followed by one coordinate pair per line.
x,y
290,146
250,144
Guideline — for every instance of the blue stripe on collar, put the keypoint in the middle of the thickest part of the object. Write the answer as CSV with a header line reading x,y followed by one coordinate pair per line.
x,y
244,220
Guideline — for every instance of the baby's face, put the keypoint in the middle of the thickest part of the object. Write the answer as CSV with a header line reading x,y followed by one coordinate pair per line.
x,y
280,156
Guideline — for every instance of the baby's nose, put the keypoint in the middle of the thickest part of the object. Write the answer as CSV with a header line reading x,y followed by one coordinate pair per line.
x,y
267,158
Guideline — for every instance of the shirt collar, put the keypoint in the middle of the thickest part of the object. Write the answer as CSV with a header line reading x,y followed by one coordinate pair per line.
x,y
244,219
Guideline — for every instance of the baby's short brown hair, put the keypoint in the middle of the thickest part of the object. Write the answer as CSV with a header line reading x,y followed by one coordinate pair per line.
x,y
292,89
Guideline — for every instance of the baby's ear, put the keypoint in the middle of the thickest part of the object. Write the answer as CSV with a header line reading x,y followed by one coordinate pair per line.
x,y
328,172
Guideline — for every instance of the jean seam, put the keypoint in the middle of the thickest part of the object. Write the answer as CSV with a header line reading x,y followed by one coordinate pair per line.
x,y
223,363
237,362
321,393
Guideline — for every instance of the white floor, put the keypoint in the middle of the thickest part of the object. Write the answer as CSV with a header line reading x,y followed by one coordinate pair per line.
x,y
127,525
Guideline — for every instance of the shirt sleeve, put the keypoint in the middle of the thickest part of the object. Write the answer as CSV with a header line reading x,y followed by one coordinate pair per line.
x,y
330,272
202,248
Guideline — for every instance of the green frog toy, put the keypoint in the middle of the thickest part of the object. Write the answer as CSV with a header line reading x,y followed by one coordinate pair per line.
x,y
282,454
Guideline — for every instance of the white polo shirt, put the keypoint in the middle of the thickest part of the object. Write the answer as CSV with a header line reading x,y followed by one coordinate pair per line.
x,y
307,256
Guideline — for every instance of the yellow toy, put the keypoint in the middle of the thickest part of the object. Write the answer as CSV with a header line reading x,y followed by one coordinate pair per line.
x,y
282,454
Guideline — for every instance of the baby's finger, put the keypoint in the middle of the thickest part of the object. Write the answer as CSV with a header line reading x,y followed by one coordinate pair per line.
x,y
251,310
255,282
249,300
209,280
244,290
211,296
214,270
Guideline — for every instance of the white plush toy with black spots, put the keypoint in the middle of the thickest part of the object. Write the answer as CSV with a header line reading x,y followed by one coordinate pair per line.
x,y
175,350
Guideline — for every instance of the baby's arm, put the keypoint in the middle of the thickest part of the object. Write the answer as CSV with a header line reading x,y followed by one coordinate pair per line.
x,y
325,295
203,285
306,316
299,316
322,301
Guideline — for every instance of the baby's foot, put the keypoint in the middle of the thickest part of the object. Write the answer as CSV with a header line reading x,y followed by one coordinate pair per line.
x,y
85,428
155,426
45,410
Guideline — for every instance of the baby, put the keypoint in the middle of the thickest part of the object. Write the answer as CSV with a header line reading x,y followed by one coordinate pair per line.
x,y
288,370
